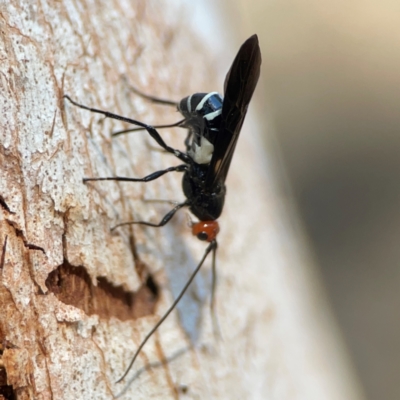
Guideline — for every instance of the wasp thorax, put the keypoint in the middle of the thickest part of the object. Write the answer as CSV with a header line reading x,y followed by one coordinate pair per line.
x,y
202,154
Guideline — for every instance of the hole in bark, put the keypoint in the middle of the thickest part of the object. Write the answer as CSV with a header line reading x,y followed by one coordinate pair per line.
x,y
183,389
73,286
151,285
6,391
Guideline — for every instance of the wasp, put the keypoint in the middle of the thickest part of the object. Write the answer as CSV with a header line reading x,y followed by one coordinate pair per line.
x,y
214,124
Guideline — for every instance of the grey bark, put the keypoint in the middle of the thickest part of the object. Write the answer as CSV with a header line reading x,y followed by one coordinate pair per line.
x,y
74,299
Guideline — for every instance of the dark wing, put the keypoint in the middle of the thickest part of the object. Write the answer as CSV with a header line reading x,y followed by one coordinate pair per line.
x,y
240,83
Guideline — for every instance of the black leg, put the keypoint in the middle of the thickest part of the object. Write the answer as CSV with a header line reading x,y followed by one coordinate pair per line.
x,y
177,124
211,247
188,140
148,178
150,129
164,221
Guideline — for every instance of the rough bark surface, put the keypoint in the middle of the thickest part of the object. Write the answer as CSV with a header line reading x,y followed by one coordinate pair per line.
x,y
77,299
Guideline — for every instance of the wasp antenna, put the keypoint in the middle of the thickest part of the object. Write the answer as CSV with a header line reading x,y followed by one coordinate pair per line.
x,y
211,247
125,131
153,99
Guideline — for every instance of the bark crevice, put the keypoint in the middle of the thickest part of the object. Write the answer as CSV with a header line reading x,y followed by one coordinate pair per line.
x,y
73,285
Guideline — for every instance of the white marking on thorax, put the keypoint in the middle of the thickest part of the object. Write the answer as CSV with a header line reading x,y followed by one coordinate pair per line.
x,y
189,103
202,154
210,116
204,99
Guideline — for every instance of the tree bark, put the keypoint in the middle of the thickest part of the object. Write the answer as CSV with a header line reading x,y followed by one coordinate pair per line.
x,y
77,299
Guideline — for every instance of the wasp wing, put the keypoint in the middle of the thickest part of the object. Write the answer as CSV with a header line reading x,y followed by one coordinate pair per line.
x,y
240,83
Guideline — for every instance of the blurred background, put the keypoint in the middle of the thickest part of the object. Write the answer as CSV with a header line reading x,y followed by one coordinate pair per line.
x,y
331,76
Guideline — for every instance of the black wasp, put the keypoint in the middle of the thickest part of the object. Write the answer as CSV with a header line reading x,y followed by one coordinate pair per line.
x,y
214,125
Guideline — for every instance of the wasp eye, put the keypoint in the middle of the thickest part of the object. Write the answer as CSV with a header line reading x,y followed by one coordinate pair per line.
x,y
202,236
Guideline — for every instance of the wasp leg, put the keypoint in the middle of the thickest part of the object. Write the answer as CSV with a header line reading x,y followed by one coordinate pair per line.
x,y
148,178
150,129
188,140
164,221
